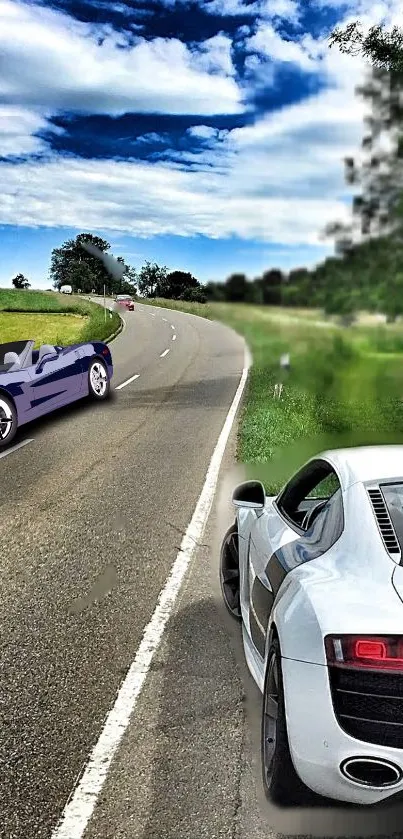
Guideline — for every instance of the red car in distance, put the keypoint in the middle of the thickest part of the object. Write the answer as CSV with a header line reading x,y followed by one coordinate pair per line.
x,y
125,301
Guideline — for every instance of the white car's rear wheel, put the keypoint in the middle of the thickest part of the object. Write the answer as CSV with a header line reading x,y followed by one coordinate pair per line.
x,y
8,421
280,780
229,572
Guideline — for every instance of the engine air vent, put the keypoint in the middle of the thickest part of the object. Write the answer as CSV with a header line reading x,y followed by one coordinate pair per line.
x,y
384,522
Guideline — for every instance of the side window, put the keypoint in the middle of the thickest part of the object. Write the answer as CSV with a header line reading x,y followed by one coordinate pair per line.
x,y
320,537
329,524
325,488
302,499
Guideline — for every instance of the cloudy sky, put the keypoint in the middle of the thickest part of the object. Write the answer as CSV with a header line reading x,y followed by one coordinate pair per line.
x,y
207,136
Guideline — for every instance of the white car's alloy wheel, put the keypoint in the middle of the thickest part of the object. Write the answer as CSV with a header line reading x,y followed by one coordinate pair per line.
x,y
281,783
229,572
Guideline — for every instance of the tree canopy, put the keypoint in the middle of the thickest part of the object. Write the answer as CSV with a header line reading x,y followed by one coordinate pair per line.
x,y
74,265
20,281
382,47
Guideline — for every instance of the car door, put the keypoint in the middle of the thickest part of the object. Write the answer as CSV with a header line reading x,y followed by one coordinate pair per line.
x,y
278,542
55,380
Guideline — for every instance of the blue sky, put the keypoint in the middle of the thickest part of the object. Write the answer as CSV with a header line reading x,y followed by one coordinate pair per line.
x,y
207,136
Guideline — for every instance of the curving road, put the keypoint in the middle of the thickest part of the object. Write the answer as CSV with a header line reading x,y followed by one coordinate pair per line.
x,y
93,511
92,514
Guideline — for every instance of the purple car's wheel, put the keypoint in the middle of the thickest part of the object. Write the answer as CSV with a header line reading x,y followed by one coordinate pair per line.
x,y
8,421
98,380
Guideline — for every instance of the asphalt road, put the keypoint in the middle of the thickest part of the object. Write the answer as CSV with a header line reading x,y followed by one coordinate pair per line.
x,y
93,513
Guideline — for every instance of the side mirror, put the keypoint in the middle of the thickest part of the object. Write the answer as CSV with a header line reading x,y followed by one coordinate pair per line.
x,y
249,494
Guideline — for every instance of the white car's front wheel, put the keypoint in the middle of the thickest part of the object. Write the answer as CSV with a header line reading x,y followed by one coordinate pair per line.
x,y
281,783
229,572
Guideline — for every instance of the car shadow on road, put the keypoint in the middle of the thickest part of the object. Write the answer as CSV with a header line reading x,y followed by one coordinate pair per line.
x,y
80,408
206,778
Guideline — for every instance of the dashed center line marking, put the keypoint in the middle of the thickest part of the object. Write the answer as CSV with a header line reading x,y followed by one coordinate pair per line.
x,y
164,353
127,382
14,448
81,804
174,337
172,326
165,320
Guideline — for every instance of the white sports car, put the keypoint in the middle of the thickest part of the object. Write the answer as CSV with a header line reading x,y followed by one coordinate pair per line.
x,y
315,574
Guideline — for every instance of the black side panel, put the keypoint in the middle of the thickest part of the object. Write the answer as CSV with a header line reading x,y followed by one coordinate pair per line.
x,y
261,602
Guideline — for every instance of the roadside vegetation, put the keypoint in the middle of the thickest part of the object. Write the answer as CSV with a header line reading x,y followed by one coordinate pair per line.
x,y
345,386
51,318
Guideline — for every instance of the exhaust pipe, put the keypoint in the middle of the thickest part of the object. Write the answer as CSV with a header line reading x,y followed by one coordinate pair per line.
x,y
371,772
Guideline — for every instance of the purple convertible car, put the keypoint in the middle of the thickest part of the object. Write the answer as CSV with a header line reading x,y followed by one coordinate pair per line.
x,y
36,382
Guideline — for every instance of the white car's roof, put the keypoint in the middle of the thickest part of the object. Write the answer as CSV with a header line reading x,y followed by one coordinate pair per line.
x,y
366,463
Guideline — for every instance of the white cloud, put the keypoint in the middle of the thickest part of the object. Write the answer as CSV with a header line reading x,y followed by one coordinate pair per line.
x,y
270,9
279,180
267,41
204,132
245,196
18,127
52,61
214,56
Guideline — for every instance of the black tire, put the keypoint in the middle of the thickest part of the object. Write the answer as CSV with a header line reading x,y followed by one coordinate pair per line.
x,y
229,572
8,420
281,783
97,366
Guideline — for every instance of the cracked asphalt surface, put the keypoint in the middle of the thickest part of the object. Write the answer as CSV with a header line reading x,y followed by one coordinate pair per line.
x,y
92,517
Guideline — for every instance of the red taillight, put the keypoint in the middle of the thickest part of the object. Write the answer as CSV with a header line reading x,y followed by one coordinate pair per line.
x,y
370,649
105,351
374,652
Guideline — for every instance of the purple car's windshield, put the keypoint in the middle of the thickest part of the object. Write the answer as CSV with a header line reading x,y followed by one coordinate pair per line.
x,y
22,349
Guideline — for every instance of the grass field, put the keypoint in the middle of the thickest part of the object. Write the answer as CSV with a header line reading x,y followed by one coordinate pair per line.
x,y
345,386
52,318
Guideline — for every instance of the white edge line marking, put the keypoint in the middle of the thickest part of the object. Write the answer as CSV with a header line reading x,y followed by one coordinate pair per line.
x,y
174,337
14,448
80,807
127,382
164,353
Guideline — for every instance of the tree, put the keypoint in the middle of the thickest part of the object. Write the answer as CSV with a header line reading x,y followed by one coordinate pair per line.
x,y
176,284
80,276
236,288
64,262
369,249
129,279
384,49
391,296
194,295
20,282
152,278
271,285
73,265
